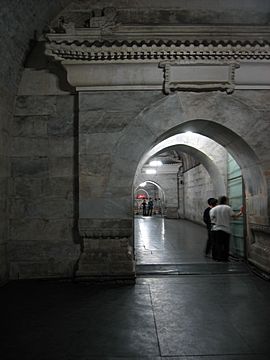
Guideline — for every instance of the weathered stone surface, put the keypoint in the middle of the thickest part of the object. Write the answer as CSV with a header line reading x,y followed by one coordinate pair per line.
x,y
109,228
198,188
92,186
107,206
95,164
62,123
41,82
25,186
60,187
97,143
31,126
106,257
37,167
61,166
42,207
3,263
4,166
41,230
33,147
128,101
35,259
35,105
31,188
104,122
61,146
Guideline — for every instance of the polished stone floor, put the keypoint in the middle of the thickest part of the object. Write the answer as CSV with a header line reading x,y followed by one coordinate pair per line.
x,y
165,316
172,246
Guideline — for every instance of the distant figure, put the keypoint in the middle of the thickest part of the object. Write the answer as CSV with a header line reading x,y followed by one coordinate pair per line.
x,y
221,218
150,207
144,204
212,202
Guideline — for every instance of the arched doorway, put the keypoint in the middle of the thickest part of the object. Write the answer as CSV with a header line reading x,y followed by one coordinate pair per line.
x,y
196,153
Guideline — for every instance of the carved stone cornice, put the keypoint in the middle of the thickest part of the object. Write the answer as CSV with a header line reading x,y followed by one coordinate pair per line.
x,y
154,51
105,55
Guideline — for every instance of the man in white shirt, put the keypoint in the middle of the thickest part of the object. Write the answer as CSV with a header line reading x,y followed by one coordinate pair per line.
x,y
221,216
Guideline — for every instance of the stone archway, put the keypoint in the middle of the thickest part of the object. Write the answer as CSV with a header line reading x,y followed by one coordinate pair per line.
x,y
171,115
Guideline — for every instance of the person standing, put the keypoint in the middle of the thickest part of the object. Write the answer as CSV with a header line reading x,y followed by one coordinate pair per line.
x,y
150,207
144,207
206,218
221,216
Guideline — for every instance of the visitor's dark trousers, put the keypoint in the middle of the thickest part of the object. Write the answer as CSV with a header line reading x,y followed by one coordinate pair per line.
x,y
221,245
149,213
209,242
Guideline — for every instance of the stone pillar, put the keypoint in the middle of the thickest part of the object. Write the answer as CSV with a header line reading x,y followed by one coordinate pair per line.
x,y
105,222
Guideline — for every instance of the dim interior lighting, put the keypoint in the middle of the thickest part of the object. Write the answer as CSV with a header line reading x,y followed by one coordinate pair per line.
x,y
143,184
155,163
151,171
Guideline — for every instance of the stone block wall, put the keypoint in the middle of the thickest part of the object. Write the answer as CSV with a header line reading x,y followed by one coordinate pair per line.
x,y
197,188
20,23
41,187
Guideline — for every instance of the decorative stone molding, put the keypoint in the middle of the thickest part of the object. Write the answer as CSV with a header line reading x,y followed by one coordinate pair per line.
x,y
105,55
105,228
156,51
198,77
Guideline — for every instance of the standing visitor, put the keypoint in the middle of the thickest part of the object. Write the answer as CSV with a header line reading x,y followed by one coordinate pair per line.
x,y
212,202
144,204
150,207
221,216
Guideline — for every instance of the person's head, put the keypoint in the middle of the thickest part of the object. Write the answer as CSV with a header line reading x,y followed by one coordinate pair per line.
x,y
212,202
223,200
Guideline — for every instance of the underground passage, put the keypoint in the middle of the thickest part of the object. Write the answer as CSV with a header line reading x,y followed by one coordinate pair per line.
x,y
119,121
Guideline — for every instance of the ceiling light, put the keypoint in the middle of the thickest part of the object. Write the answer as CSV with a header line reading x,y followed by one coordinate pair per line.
x,y
143,184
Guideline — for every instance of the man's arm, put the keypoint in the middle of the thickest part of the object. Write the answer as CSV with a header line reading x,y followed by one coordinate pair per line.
x,y
237,215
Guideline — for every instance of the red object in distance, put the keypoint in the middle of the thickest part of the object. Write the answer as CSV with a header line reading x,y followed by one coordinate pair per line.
x,y
140,196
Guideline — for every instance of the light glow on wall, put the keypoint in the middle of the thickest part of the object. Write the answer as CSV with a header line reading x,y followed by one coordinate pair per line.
x,y
155,163
150,171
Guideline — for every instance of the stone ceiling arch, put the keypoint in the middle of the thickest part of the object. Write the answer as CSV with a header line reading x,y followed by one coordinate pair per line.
x,y
212,169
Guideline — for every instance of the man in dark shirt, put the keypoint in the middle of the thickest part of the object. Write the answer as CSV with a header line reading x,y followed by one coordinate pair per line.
x,y
212,202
